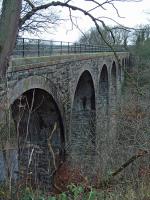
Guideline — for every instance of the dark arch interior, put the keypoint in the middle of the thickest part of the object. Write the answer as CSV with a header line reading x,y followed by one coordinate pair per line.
x,y
104,91
104,84
123,62
119,72
84,98
126,61
113,75
41,146
83,119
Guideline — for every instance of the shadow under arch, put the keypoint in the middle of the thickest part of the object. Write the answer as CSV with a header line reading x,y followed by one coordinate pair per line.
x,y
33,82
38,82
83,122
104,87
40,145
123,62
119,72
84,97
113,79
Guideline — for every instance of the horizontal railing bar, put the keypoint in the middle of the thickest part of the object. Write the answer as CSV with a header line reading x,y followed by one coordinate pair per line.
x,y
38,47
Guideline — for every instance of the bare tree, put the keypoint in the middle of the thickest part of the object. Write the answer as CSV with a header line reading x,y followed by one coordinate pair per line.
x,y
120,36
9,21
42,20
34,9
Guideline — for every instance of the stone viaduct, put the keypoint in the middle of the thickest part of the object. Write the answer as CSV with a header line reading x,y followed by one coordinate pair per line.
x,y
64,110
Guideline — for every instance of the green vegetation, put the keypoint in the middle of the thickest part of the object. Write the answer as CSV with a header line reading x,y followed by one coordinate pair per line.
x,y
119,192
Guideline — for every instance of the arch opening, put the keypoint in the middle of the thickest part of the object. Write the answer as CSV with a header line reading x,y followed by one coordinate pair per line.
x,y
40,135
104,87
123,62
119,73
113,79
103,94
83,118
84,99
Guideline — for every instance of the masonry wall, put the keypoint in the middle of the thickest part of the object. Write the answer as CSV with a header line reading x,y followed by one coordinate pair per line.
x,y
88,133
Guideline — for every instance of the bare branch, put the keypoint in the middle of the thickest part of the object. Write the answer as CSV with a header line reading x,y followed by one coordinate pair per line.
x,y
141,153
68,1
98,4
30,3
95,8
116,10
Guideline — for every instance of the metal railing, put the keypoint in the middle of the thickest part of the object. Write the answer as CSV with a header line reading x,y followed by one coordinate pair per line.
x,y
26,47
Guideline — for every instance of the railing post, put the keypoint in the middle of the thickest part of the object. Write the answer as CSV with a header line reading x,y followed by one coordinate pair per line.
x,y
51,47
38,47
23,47
61,48
75,48
80,48
68,48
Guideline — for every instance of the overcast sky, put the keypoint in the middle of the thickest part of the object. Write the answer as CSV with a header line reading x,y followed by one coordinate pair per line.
x,y
132,13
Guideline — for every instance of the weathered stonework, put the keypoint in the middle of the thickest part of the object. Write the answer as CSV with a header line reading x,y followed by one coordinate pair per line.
x,y
85,90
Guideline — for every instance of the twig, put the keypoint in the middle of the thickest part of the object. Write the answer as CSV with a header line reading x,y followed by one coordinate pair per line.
x,y
141,153
30,3
50,147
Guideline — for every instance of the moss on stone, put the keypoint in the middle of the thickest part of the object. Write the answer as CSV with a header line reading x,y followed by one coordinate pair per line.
x,y
55,58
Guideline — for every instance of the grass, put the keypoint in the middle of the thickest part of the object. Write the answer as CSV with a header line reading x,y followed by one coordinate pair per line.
x,y
126,190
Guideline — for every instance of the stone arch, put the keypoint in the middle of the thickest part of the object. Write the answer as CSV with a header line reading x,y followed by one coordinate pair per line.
x,y
42,83
36,113
113,79
83,118
76,82
119,72
123,62
87,96
127,61
33,82
104,86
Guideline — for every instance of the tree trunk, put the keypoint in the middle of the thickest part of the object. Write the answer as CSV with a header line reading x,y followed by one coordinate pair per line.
x,y
9,21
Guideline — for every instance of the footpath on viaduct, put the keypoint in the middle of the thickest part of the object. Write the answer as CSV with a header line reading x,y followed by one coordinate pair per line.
x,y
63,109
